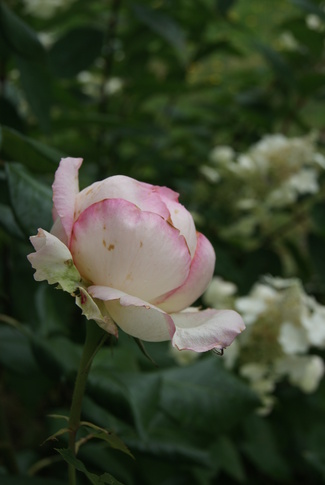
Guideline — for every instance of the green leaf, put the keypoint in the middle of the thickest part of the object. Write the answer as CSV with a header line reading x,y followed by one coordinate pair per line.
x,y
9,114
36,83
318,218
141,346
224,6
15,352
204,393
317,461
278,64
227,456
31,200
75,51
106,478
162,25
316,251
19,36
133,396
109,436
25,480
8,222
33,154
309,7
262,449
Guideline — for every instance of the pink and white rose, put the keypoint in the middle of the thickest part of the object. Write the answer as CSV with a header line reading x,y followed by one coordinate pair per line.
x,y
130,253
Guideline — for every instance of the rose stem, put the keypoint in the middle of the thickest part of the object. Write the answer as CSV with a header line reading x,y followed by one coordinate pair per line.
x,y
95,338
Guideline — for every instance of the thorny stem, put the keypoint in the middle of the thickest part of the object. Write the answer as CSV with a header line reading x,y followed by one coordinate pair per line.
x,y
94,340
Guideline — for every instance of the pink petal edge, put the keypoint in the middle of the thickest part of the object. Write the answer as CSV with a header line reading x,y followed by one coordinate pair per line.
x,y
206,330
135,251
200,275
135,316
65,189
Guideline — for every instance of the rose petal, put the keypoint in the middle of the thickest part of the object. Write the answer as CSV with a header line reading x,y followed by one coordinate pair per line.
x,y
65,189
180,217
199,277
206,330
133,251
53,261
144,196
135,316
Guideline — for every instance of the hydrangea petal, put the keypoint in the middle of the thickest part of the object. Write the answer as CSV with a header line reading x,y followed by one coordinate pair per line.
x,y
206,330
135,316
134,251
53,261
199,277
65,190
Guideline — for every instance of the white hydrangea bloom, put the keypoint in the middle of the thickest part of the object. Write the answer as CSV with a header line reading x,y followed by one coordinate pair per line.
x,y
314,323
304,182
45,8
222,154
210,173
304,372
217,290
91,84
252,306
293,339
314,22
288,42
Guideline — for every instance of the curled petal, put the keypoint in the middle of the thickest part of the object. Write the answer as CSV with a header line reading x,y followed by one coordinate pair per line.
x,y
134,251
95,311
53,261
135,316
200,275
180,217
144,196
65,190
205,330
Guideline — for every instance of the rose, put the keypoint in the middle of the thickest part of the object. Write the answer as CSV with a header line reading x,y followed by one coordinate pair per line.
x,y
130,254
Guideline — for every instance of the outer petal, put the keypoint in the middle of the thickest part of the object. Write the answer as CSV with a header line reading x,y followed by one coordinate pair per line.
x,y
206,330
136,317
53,261
180,217
144,196
199,277
65,189
134,251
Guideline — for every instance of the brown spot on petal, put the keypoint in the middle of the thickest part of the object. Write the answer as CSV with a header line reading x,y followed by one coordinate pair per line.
x,y
69,263
104,243
89,191
129,277
83,299
141,244
104,227
111,247
176,211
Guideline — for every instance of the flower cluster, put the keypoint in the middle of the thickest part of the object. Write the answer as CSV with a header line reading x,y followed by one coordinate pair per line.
x,y
283,325
268,180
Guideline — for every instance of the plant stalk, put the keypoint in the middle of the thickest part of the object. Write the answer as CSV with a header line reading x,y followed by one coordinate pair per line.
x,y
95,338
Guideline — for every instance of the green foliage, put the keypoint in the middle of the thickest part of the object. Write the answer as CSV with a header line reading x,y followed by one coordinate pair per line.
x,y
148,89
